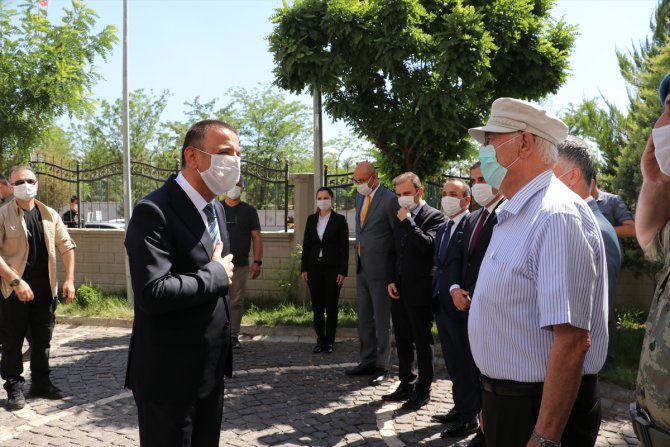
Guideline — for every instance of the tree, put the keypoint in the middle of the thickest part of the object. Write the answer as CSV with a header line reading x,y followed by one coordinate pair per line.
x,y
46,70
411,76
99,139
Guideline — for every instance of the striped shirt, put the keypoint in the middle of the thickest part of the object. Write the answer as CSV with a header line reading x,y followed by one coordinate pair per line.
x,y
544,266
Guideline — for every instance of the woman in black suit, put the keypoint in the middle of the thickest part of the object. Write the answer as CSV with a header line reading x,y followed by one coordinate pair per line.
x,y
325,260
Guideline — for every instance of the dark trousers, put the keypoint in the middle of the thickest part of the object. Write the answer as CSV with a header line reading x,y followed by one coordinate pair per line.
x,y
412,329
452,328
18,318
511,410
325,295
196,423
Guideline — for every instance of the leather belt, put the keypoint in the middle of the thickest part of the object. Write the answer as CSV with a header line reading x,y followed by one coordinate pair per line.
x,y
511,388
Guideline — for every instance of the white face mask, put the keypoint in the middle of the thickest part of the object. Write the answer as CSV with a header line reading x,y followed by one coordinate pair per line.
x,y
363,188
661,137
324,204
451,205
483,193
234,193
408,202
223,173
25,191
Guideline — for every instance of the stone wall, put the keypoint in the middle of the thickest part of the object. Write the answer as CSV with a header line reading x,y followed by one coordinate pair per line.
x,y
100,258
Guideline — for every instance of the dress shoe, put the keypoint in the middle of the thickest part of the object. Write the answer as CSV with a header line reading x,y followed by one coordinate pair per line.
x,y
378,378
47,390
417,400
476,441
451,416
235,343
402,393
15,398
460,429
328,348
317,349
361,370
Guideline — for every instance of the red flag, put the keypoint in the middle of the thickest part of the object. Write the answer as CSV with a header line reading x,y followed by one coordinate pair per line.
x,y
44,3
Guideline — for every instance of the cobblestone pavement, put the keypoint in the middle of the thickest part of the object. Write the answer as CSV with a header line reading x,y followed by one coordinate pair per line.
x,y
281,395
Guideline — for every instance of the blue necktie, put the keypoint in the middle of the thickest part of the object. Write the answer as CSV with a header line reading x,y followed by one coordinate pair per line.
x,y
445,241
212,224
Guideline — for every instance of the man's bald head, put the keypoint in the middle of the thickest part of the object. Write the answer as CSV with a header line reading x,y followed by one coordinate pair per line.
x,y
364,168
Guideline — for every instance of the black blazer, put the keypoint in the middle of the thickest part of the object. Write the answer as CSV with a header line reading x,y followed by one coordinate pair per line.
x,y
335,243
411,261
180,344
442,279
464,270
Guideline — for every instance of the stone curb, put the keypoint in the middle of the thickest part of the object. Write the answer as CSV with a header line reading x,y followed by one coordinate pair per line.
x,y
249,330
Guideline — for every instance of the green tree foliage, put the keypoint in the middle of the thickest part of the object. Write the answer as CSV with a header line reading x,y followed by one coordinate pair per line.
x,y
411,76
99,139
46,71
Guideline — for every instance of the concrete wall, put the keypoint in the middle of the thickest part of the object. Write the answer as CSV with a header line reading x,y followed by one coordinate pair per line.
x,y
100,258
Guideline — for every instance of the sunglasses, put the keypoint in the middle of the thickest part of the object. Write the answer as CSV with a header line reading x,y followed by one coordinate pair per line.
x,y
21,182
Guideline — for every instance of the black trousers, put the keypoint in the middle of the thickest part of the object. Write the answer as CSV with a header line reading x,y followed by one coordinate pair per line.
x,y
452,328
412,329
511,410
196,423
17,319
325,294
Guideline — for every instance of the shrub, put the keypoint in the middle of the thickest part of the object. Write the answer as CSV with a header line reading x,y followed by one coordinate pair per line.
x,y
87,295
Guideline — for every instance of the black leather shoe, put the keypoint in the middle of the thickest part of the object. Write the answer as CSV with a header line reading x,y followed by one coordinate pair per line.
x,y
402,393
417,400
47,390
460,429
328,348
317,349
451,416
476,441
379,377
15,398
361,370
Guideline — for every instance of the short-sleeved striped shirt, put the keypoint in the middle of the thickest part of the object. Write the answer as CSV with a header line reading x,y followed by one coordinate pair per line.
x,y
544,266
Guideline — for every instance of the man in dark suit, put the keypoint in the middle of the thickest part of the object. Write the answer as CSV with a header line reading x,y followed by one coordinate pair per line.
x,y
410,288
477,232
180,344
376,209
451,322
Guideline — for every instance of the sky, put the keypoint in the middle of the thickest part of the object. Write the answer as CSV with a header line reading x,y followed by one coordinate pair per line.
x,y
205,47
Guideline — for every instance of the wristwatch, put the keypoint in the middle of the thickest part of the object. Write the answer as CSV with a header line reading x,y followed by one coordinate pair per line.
x,y
15,282
543,442
258,261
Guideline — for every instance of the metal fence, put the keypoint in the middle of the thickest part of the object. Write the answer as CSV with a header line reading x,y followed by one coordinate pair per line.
x,y
100,188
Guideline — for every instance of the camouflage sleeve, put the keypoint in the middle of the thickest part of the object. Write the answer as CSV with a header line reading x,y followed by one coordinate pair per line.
x,y
657,249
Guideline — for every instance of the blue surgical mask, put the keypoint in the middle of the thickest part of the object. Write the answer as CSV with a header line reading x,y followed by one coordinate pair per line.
x,y
493,172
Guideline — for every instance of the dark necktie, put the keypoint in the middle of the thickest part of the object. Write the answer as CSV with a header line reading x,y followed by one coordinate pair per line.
x,y
212,224
478,229
445,241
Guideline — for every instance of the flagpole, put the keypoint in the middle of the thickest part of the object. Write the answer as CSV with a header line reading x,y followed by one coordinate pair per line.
x,y
127,190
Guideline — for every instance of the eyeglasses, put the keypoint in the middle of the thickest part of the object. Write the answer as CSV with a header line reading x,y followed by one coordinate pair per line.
x,y
21,182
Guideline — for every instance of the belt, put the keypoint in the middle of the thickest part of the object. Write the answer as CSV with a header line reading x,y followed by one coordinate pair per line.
x,y
511,388
649,434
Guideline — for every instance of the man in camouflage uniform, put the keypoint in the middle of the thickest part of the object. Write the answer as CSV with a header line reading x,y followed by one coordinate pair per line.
x,y
651,412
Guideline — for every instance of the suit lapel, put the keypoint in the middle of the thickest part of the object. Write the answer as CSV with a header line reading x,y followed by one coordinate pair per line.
x,y
329,225
190,215
376,199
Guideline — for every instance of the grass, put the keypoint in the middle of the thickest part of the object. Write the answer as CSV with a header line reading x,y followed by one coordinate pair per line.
x,y
630,333
263,312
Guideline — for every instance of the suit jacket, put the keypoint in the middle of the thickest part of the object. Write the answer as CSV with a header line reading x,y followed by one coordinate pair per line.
x,y
612,249
442,279
411,261
180,344
334,245
464,269
376,235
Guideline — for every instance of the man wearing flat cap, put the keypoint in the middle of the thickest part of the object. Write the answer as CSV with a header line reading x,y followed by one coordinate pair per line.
x,y
538,319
